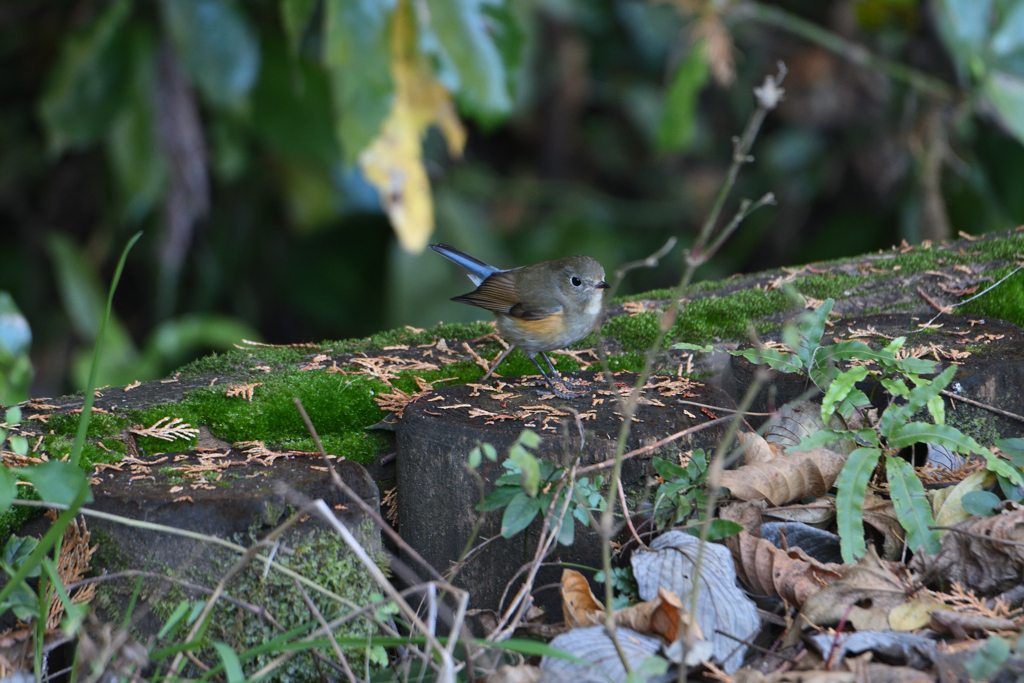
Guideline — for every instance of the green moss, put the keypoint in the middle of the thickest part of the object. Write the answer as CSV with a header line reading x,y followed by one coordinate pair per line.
x,y
340,406
829,285
636,333
322,558
728,317
974,422
1005,302
241,362
101,426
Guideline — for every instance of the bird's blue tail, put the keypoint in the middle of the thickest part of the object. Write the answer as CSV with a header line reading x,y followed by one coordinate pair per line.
x,y
477,270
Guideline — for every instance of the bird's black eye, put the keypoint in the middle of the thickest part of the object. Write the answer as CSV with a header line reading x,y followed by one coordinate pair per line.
x,y
576,282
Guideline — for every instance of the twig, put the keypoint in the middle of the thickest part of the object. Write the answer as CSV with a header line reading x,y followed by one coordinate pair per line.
x,y
654,446
982,293
629,519
979,404
194,535
852,52
721,408
652,261
446,674
980,537
258,610
362,504
328,632
238,566
548,536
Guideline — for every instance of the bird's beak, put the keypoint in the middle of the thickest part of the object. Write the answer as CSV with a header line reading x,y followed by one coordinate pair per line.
x,y
601,285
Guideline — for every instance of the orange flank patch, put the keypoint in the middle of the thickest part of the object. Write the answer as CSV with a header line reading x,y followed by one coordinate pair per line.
x,y
547,329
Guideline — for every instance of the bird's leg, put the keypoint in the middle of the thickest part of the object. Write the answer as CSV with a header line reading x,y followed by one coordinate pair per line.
x,y
497,362
554,387
566,383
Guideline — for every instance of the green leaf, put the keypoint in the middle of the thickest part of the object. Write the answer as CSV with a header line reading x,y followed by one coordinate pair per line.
x,y
943,435
469,57
773,358
1007,43
489,452
669,470
1009,489
896,415
1006,93
840,388
132,147
292,112
937,409
500,497
17,550
232,667
528,465
13,416
980,503
57,481
896,387
529,438
719,529
989,659
15,333
825,437
174,619
851,488
86,85
217,46
8,488
707,348
357,53
19,445
679,119
913,510
567,534
1013,448
474,458
295,17
812,326
518,515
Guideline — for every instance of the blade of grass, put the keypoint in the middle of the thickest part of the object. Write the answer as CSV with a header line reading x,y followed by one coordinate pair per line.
x,y
83,423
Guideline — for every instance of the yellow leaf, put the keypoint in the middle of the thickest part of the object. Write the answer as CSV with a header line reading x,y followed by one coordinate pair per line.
x,y
393,163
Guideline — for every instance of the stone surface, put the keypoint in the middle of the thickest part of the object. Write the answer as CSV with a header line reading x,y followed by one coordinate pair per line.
x,y
438,494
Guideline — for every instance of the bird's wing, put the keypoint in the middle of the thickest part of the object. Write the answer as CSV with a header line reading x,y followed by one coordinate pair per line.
x,y
498,294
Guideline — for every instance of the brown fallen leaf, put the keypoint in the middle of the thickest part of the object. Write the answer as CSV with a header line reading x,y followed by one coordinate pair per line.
x,y
766,569
664,615
880,515
962,625
791,574
985,554
580,607
864,596
787,477
524,673
756,449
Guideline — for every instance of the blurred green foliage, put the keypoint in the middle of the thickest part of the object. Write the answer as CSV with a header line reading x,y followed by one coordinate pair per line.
x,y
231,132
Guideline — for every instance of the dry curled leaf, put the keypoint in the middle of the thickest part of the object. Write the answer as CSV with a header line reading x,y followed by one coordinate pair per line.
x,y
768,570
864,596
788,477
985,554
664,615
722,608
580,607
756,449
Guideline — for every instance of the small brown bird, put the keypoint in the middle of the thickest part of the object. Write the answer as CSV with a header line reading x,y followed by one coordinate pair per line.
x,y
541,307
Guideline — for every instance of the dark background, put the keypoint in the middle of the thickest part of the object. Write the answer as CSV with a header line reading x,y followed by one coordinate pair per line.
x,y
618,137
